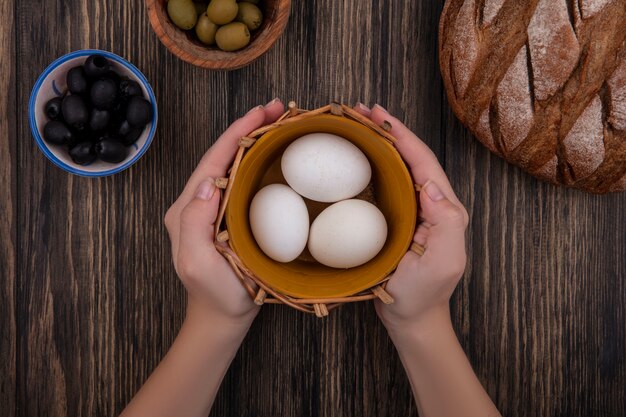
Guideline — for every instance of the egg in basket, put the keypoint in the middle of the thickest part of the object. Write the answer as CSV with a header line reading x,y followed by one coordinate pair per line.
x,y
319,209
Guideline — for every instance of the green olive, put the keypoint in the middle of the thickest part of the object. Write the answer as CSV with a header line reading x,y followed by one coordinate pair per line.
x,y
182,13
232,36
222,12
250,15
205,30
200,8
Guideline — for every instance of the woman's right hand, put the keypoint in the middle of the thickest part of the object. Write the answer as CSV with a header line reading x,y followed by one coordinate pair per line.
x,y
422,285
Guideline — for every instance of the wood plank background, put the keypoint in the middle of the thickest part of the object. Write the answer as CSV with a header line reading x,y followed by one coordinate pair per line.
x,y
89,299
8,215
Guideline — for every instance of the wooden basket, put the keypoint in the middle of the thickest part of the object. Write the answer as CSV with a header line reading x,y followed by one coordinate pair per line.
x,y
265,293
184,44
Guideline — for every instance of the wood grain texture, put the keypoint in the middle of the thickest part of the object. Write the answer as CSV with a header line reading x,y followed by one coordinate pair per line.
x,y
8,214
540,311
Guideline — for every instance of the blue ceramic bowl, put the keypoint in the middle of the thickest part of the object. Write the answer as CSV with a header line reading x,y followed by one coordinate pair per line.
x,y
51,83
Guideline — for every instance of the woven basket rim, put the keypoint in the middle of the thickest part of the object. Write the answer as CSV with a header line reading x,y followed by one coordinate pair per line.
x,y
264,293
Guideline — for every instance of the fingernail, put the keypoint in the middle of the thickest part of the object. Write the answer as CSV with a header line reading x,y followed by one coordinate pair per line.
x,y
378,106
276,100
362,106
254,109
206,189
433,191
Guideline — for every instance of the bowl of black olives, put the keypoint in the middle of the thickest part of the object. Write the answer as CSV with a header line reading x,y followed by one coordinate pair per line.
x,y
92,113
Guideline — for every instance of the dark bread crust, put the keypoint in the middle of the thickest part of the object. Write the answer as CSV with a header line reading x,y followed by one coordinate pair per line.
x,y
541,83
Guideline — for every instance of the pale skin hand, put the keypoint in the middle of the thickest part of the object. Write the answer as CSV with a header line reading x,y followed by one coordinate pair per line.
x,y
219,310
418,322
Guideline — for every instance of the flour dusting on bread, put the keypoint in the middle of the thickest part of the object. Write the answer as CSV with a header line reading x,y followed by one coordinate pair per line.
x,y
592,7
490,10
465,46
483,128
584,144
554,48
548,171
617,92
515,105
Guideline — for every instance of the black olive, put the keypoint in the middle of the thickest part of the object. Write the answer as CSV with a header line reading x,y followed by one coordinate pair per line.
x,y
75,111
105,136
84,135
119,107
114,76
132,136
53,108
111,150
125,128
83,153
73,142
99,119
103,93
56,132
76,80
138,112
97,66
118,114
130,88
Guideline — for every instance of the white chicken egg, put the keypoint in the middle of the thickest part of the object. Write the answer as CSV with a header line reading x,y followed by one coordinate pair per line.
x,y
280,222
325,167
347,234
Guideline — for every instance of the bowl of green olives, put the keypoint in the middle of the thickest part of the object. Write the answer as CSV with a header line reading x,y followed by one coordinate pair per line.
x,y
219,34
92,113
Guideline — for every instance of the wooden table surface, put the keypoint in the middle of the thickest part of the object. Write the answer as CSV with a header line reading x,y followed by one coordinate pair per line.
x,y
89,301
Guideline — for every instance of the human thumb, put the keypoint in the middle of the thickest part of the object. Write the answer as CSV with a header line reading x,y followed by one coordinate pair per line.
x,y
446,222
197,220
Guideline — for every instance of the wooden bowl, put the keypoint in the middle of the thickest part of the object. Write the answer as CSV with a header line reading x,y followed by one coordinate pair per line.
x,y
393,191
187,47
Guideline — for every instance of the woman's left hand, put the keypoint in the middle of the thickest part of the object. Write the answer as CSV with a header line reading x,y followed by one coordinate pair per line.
x,y
212,286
